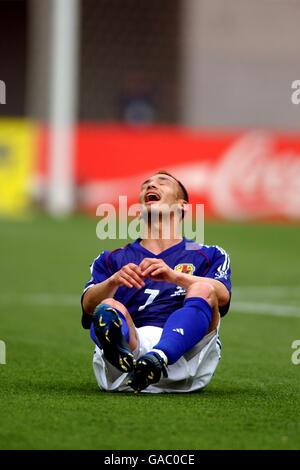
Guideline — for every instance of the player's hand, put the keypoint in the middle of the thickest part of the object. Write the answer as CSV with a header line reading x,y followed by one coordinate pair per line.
x,y
157,270
129,275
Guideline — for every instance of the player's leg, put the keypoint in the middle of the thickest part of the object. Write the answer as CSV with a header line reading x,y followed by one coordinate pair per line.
x,y
182,331
127,322
206,292
189,324
114,332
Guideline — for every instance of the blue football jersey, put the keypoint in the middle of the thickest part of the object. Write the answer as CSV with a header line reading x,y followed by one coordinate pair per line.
x,y
154,303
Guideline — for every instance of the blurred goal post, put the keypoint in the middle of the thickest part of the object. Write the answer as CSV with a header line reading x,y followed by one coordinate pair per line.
x,y
64,46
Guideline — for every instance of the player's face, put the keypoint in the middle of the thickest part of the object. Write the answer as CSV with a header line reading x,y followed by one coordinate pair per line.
x,y
160,189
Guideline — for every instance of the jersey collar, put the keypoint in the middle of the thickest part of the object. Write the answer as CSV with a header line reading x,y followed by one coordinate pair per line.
x,y
180,245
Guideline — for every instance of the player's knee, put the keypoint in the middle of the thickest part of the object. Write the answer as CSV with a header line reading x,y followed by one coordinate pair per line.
x,y
204,290
116,304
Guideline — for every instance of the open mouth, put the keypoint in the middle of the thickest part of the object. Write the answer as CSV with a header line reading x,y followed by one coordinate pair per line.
x,y
152,197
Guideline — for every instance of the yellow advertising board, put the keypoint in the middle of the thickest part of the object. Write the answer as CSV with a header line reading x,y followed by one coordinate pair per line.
x,y
18,150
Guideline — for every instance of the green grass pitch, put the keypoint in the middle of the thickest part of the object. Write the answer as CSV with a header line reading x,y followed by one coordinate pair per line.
x,y
49,397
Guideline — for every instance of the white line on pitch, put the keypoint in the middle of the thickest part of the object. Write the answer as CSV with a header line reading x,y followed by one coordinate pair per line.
x,y
71,300
41,299
265,308
268,291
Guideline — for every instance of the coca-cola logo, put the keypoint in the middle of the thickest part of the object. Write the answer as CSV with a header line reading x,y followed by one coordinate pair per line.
x,y
252,180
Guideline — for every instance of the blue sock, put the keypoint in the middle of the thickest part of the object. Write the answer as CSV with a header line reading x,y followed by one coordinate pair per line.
x,y
185,328
124,327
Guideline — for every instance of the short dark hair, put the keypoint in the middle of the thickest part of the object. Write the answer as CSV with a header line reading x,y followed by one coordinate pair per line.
x,y
183,190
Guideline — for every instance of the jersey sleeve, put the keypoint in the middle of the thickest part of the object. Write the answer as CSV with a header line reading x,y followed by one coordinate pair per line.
x,y
100,271
220,270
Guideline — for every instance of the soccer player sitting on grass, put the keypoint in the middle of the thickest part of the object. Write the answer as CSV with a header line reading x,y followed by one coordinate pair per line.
x,y
153,307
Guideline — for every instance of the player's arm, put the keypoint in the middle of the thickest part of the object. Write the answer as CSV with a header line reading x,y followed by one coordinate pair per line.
x,y
158,270
129,276
186,280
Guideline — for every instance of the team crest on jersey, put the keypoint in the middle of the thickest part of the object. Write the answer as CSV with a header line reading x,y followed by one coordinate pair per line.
x,y
185,268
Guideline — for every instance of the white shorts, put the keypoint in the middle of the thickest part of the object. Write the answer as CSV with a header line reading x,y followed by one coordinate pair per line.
x,y
192,371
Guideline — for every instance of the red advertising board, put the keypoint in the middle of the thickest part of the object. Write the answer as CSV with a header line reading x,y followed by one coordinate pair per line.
x,y
238,176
